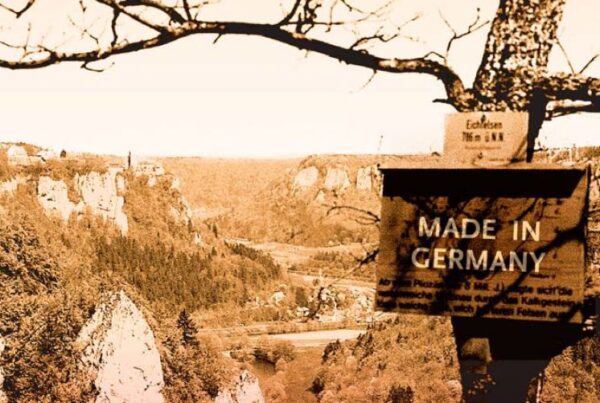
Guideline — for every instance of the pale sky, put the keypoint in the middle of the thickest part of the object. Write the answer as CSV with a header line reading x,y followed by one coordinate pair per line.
x,y
254,97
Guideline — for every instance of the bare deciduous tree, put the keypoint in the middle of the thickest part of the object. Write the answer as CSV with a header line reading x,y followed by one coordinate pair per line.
x,y
512,75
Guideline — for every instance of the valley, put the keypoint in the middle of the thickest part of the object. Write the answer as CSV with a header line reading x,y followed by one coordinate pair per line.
x,y
211,280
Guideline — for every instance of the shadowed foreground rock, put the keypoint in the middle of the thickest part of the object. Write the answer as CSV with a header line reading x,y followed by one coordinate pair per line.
x,y
118,345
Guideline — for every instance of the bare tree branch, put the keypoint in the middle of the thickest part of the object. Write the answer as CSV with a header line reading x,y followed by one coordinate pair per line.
x,y
291,14
18,12
384,38
455,90
563,108
157,5
187,10
565,54
364,217
589,63
576,87
475,26
505,80
88,67
369,80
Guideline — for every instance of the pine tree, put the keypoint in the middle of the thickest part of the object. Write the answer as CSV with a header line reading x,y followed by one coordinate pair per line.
x,y
188,329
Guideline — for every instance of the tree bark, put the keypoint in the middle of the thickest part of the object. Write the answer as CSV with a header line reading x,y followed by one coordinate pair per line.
x,y
516,54
513,76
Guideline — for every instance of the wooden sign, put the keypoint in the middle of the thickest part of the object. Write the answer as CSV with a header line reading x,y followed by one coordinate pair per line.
x,y
486,137
492,243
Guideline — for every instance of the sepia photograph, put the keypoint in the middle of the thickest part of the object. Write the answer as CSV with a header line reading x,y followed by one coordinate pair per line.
x,y
300,201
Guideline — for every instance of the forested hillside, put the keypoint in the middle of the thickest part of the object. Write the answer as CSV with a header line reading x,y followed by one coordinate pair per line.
x,y
76,230
90,246
216,186
290,201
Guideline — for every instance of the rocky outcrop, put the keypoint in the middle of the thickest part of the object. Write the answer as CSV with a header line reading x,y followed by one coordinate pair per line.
x,y
11,186
368,178
176,183
100,193
53,195
364,178
336,179
183,214
305,178
197,240
119,348
120,184
17,155
245,390
320,197
46,155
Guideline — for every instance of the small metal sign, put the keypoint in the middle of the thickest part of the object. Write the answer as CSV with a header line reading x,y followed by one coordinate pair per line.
x,y
504,242
486,137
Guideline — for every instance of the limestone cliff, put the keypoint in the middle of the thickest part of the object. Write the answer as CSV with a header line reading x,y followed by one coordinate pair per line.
x,y
119,347
103,194
53,195
334,175
100,193
299,205
305,178
10,186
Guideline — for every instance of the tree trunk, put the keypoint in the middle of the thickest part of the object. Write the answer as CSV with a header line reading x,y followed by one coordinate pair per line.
x,y
515,59
516,53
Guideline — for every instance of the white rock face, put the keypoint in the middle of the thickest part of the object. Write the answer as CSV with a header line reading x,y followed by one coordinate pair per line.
x,y
12,185
119,347
336,179
306,178
245,390
3,398
363,179
54,198
16,151
320,197
183,215
176,183
120,184
277,297
100,194
17,155
46,155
